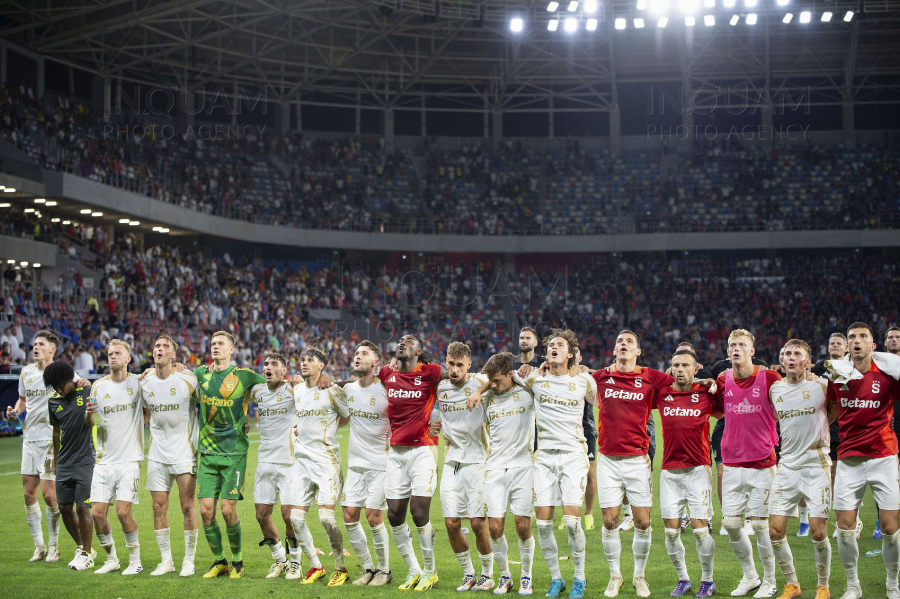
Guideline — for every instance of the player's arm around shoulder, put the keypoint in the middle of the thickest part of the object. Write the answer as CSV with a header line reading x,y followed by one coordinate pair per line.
x,y
591,395
339,402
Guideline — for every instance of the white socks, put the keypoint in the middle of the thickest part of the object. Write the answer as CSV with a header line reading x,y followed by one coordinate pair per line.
x,y
357,537
109,546
133,546
612,547
426,543
675,548
190,545
335,538
785,561
487,564
577,543
304,537
501,557
165,548
526,554
33,518
823,560
890,551
403,539
706,550
278,552
764,547
380,541
848,550
640,546
465,562
293,546
740,543
52,515
549,547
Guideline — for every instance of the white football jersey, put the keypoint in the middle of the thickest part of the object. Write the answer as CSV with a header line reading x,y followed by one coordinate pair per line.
x,y
120,437
316,415
276,418
803,418
510,423
172,402
370,430
559,408
465,432
31,387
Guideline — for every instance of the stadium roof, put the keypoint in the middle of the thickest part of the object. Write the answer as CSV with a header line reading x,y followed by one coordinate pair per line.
x,y
464,54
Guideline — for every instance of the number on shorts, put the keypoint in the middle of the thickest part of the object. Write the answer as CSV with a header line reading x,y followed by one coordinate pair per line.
x,y
238,483
766,501
826,495
705,494
134,485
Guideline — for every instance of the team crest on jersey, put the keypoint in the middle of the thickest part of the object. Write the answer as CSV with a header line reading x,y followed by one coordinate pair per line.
x,y
417,381
695,397
638,382
610,381
669,398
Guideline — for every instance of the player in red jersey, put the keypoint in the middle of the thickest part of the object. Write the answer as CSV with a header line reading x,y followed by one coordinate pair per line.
x,y
625,392
867,455
748,450
411,473
685,408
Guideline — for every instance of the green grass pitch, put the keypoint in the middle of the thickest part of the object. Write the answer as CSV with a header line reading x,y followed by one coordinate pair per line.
x,y
19,578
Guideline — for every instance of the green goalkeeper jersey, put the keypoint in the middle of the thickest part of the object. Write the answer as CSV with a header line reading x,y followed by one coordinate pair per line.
x,y
224,396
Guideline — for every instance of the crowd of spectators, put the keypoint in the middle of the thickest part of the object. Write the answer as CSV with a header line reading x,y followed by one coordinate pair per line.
x,y
354,184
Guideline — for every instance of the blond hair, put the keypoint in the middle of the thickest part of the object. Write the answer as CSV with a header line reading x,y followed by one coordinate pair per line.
x,y
801,344
225,334
738,333
458,351
120,343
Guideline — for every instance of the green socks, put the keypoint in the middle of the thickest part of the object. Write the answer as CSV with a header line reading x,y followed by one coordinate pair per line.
x,y
214,538
234,539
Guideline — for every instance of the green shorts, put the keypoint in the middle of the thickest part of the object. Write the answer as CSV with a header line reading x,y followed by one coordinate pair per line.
x,y
222,475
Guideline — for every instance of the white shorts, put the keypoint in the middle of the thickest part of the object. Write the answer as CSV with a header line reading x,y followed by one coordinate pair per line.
x,y
618,476
812,483
36,457
686,487
747,490
161,477
317,483
410,471
852,476
511,488
116,480
274,481
462,490
364,488
560,477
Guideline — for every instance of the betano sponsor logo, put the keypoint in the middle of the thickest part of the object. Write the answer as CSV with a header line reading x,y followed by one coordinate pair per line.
x,y
316,412
622,394
217,402
173,407
37,392
558,401
403,393
745,407
274,412
122,407
363,414
860,403
505,413
689,412
454,407
796,412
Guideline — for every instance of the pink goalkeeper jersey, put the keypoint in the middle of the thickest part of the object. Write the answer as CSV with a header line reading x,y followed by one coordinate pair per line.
x,y
749,421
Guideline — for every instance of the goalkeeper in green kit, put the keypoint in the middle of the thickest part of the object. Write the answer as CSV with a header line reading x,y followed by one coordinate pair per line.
x,y
224,392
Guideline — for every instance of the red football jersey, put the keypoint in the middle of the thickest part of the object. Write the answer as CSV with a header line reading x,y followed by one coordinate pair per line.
x,y
626,399
865,415
410,398
772,377
685,426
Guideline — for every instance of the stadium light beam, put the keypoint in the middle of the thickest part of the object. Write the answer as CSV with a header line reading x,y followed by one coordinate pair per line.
x,y
516,25
750,3
689,6
591,6
751,19
85,211
124,221
805,16
571,25
783,2
787,18
552,6
620,23
96,214
848,17
826,17
552,25
573,6
709,20
591,25
734,20
51,203
642,4
663,21
639,23
728,3
709,3
40,201
5,205
690,21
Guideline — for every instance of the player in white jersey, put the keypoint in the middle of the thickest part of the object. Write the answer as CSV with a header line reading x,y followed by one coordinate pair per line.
x,y
462,478
508,411
561,463
804,471
116,398
274,477
36,439
366,463
170,400
317,462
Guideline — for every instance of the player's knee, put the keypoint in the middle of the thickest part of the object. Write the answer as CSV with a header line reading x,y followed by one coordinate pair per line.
x,y
454,525
732,522
49,497
260,515
97,512
610,522
642,523
776,534
496,529
523,529
188,510
123,514
30,497
419,515
374,519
